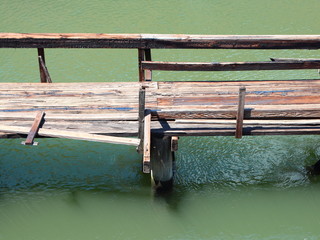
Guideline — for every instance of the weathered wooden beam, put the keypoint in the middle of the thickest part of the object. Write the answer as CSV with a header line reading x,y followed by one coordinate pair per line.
x,y
44,71
231,114
141,58
229,66
214,130
240,112
259,122
295,59
148,73
144,75
34,129
73,135
147,142
142,102
50,116
144,41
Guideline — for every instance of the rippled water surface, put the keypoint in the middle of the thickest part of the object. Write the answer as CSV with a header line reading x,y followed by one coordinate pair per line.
x,y
225,188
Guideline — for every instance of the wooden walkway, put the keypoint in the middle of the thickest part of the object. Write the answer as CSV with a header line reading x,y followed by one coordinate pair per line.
x,y
152,115
177,108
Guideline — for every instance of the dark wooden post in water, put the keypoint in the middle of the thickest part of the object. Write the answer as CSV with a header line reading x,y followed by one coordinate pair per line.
x,y
162,161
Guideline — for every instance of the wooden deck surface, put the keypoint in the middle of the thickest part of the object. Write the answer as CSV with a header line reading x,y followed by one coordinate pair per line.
x,y
178,108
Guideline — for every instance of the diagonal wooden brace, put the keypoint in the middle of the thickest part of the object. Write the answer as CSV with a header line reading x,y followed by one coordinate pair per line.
x,y
34,129
240,113
44,73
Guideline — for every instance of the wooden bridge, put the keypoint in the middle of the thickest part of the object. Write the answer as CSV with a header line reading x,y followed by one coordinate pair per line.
x,y
152,115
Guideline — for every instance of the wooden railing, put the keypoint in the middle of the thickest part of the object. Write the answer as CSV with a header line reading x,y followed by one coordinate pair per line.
x,y
145,42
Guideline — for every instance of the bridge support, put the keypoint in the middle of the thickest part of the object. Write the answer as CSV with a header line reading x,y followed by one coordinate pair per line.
x,y
162,159
314,169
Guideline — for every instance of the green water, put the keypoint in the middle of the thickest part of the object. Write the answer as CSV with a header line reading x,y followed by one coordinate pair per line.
x,y
253,188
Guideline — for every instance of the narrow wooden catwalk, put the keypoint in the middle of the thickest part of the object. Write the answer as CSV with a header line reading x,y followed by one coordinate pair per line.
x,y
152,115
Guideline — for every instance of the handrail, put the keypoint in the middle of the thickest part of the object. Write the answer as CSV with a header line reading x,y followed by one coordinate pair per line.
x,y
145,42
229,66
150,41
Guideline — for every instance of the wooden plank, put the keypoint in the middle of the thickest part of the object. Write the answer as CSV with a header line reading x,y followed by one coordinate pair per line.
x,y
110,128
232,122
175,129
232,100
71,117
229,66
227,114
73,135
34,129
294,59
291,82
143,41
230,132
240,112
123,88
147,142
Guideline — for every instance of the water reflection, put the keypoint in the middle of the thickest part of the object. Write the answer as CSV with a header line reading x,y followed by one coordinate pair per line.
x,y
218,162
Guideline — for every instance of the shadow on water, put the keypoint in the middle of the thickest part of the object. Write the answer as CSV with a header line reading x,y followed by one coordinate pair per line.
x,y
203,164
66,164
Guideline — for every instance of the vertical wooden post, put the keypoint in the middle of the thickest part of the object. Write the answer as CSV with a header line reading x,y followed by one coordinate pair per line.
x,y
162,161
141,55
146,142
144,54
148,73
240,113
142,102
